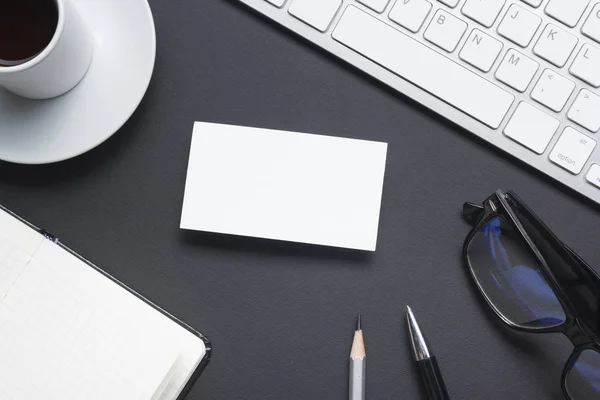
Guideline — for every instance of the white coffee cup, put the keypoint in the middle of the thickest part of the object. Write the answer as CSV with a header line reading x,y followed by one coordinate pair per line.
x,y
60,66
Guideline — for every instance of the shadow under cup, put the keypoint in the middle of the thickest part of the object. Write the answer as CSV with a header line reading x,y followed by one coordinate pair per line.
x,y
26,29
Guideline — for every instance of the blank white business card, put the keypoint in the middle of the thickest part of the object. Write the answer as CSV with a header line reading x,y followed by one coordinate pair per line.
x,y
285,186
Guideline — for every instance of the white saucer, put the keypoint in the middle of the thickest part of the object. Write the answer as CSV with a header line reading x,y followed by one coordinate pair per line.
x,y
47,131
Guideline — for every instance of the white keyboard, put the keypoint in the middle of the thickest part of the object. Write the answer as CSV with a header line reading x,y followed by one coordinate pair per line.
x,y
522,74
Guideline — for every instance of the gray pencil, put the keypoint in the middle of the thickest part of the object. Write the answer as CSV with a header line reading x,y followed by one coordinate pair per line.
x,y
358,364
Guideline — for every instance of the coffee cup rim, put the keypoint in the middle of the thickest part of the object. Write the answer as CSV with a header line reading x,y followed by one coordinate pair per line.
x,y
49,48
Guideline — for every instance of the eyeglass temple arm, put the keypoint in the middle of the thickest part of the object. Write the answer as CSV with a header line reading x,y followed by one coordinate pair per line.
x,y
472,213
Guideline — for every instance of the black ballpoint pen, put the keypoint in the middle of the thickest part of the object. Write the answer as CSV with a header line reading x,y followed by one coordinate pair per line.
x,y
426,361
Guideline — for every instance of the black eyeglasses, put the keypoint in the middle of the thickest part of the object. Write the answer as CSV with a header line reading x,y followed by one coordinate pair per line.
x,y
535,283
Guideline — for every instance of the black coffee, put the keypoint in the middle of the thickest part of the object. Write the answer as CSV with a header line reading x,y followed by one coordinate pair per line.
x,y
26,29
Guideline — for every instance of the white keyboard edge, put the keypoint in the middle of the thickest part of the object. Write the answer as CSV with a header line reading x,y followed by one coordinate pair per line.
x,y
495,137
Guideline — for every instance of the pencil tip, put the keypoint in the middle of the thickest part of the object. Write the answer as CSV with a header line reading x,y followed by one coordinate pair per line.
x,y
358,343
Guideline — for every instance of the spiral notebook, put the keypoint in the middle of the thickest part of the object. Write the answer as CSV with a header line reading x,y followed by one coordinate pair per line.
x,y
70,331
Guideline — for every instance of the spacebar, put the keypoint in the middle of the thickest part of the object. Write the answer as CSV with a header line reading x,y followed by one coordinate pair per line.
x,y
423,66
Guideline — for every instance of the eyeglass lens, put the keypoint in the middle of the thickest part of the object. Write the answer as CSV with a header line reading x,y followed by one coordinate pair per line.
x,y
510,277
583,380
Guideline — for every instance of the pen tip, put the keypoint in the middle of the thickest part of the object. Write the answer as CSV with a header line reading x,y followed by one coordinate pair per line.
x,y
409,314
416,337
358,323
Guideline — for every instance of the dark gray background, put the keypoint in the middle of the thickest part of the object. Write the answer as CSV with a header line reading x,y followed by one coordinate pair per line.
x,y
281,316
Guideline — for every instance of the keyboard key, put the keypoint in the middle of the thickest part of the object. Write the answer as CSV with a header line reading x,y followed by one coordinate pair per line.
x,y
481,50
568,12
277,3
587,65
445,30
411,14
531,127
376,5
591,28
519,25
572,150
585,111
553,90
316,13
555,45
450,3
517,70
483,11
593,175
533,3
424,67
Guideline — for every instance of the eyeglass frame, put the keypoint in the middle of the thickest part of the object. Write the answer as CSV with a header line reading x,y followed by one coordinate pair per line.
x,y
573,328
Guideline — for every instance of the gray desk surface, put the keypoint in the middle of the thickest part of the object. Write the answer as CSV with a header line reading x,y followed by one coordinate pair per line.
x,y
281,315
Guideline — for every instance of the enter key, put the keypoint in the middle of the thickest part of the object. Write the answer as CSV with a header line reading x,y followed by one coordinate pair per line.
x,y
572,150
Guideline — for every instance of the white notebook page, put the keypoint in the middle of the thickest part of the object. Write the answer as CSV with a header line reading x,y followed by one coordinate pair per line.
x,y
69,332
